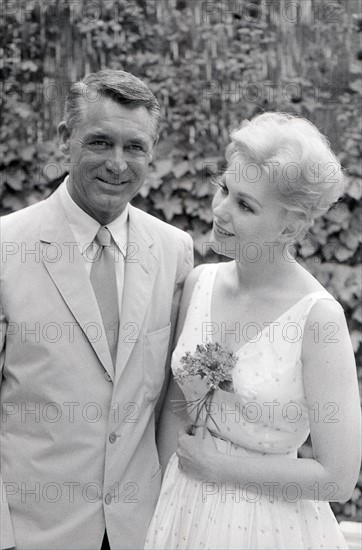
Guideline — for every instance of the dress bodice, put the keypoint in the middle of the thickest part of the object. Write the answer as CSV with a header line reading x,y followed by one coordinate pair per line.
x,y
268,412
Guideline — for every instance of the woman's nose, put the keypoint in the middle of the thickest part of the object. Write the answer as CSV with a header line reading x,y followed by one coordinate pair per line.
x,y
220,208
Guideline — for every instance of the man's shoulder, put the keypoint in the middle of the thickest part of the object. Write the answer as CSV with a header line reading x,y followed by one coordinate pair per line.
x,y
23,221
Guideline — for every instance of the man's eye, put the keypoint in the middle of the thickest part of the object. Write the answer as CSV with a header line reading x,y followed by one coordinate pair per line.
x,y
135,147
99,143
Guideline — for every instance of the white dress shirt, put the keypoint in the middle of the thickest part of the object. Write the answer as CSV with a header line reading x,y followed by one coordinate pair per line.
x,y
85,228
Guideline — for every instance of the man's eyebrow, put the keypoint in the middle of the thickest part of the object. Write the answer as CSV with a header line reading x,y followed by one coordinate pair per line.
x,y
97,134
247,196
139,140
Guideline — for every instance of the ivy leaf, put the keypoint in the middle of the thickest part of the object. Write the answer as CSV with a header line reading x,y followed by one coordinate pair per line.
x,y
191,206
199,227
356,86
357,314
355,168
210,165
201,242
153,181
346,283
29,66
181,221
354,188
45,150
204,188
163,167
13,202
205,212
308,247
14,178
329,249
28,153
356,338
339,214
319,232
169,207
7,154
181,169
343,253
24,111
350,239
185,184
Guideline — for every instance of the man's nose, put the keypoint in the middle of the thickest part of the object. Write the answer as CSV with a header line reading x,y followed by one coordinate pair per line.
x,y
117,163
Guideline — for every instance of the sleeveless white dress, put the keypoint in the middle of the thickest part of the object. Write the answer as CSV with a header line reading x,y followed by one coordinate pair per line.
x,y
267,416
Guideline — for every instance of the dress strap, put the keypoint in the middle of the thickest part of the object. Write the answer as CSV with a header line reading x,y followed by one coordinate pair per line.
x,y
199,309
306,304
202,293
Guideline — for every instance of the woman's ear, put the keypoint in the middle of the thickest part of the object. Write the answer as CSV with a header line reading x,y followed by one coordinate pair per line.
x,y
293,226
64,137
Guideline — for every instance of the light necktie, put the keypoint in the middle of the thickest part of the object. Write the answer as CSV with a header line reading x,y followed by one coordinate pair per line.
x,y
103,279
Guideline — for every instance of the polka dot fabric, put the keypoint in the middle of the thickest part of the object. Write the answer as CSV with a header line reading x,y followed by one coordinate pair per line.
x,y
267,416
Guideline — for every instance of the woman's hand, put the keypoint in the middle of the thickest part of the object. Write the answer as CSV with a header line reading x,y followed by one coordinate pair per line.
x,y
197,454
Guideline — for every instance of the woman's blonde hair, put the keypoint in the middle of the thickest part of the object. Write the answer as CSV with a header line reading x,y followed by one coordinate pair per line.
x,y
297,159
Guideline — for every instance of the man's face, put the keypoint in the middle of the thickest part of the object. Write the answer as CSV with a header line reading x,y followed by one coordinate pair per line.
x,y
109,151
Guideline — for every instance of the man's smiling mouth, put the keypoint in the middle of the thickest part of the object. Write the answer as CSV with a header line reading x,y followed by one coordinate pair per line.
x,y
108,182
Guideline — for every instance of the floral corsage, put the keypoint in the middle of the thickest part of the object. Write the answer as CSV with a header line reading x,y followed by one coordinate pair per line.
x,y
212,363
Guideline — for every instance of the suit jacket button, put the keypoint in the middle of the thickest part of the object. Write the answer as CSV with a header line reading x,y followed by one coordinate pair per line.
x,y
107,377
112,437
108,498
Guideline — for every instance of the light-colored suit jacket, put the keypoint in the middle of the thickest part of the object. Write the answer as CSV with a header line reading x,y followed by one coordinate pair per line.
x,y
78,451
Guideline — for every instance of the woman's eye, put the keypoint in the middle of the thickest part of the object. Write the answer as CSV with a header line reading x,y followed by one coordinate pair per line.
x,y
245,206
218,181
224,189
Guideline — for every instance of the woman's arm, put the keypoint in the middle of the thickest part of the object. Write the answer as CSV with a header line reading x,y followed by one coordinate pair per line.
x,y
330,380
170,421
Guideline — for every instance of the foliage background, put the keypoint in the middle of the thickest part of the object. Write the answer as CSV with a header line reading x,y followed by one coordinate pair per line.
x,y
210,64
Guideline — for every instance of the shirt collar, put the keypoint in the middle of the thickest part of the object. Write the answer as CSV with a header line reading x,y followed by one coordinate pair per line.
x,y
85,227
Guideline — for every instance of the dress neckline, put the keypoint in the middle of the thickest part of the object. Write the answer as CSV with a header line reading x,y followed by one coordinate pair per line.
x,y
260,333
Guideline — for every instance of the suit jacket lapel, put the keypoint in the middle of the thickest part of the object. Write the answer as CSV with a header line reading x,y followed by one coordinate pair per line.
x,y
70,277
140,270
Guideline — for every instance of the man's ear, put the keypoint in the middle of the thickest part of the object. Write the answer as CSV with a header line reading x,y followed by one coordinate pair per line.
x,y
64,137
155,141
151,153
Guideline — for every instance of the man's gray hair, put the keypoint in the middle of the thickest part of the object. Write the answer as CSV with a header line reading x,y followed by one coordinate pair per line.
x,y
120,86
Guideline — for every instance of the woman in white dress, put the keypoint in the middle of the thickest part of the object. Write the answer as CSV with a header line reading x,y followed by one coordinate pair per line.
x,y
236,482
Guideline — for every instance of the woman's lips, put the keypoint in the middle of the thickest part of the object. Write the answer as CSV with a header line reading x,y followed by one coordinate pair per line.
x,y
223,231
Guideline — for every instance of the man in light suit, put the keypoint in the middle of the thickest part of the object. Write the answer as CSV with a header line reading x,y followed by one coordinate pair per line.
x,y
78,455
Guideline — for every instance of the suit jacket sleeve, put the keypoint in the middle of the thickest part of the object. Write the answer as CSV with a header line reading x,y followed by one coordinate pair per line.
x,y
7,539
185,266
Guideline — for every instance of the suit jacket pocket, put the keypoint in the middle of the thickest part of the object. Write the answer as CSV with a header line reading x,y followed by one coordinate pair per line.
x,y
155,348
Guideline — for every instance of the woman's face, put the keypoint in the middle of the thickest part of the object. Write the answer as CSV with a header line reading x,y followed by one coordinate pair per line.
x,y
247,217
